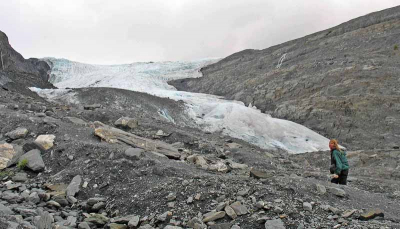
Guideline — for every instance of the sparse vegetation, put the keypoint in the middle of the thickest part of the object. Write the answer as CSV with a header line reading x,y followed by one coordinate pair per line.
x,y
396,47
5,174
22,164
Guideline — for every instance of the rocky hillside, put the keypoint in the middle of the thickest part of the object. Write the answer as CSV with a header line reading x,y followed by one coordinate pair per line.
x,y
342,82
19,73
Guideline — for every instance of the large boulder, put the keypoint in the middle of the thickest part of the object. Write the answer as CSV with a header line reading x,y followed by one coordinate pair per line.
x,y
9,154
46,141
73,187
126,122
17,133
34,160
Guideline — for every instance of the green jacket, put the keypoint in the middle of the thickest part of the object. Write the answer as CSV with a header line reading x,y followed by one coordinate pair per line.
x,y
341,161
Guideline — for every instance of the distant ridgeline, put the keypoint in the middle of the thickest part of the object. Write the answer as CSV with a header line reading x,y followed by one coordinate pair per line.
x,y
342,82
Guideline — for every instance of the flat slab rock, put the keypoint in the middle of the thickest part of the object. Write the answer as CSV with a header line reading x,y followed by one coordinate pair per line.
x,y
274,224
371,214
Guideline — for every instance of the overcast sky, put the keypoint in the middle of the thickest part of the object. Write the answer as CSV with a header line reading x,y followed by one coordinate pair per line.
x,y
125,31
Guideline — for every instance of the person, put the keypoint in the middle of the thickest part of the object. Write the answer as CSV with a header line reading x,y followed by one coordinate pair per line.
x,y
339,163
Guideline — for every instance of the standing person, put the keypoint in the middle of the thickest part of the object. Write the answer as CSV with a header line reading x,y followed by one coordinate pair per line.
x,y
339,163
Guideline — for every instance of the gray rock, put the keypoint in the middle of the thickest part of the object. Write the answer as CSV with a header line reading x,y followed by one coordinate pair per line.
x,y
26,212
274,224
172,227
4,210
321,189
126,122
196,223
212,216
98,206
73,187
239,208
307,206
134,222
221,226
230,212
83,225
61,200
171,197
53,203
20,177
45,221
35,161
33,145
163,217
147,226
97,219
76,121
11,197
134,153
9,154
34,198
17,133
338,192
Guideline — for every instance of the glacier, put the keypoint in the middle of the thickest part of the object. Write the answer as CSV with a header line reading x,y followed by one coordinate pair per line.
x,y
210,112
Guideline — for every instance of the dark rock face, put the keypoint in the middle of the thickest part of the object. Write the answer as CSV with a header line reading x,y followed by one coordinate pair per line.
x,y
342,82
17,73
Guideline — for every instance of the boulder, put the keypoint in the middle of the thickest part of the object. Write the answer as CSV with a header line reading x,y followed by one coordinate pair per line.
x,y
20,177
338,192
134,153
239,208
274,224
371,214
33,145
260,174
4,210
46,141
35,161
212,216
17,133
9,154
73,187
126,122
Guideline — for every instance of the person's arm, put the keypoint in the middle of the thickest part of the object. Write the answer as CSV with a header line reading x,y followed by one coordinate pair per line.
x,y
339,165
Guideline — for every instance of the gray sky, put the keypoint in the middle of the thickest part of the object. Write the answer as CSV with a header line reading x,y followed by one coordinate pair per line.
x,y
125,31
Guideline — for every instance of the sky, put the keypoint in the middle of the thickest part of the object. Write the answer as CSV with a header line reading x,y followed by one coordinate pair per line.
x,y
126,31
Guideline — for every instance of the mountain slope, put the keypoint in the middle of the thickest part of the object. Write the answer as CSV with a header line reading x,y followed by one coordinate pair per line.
x,y
342,82
17,73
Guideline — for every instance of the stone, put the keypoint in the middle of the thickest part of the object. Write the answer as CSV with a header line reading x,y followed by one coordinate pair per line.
x,y
348,213
221,206
117,226
7,153
44,221
198,196
33,145
146,226
278,209
18,133
46,141
189,200
321,189
134,222
235,227
163,217
98,206
260,204
307,206
243,192
53,203
11,186
35,161
239,208
260,174
73,187
34,198
196,223
83,225
126,122
212,216
371,214
20,177
274,224
171,197
97,219
26,212
197,160
76,121
11,197
230,212
338,192
221,226
134,153
172,227
4,210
